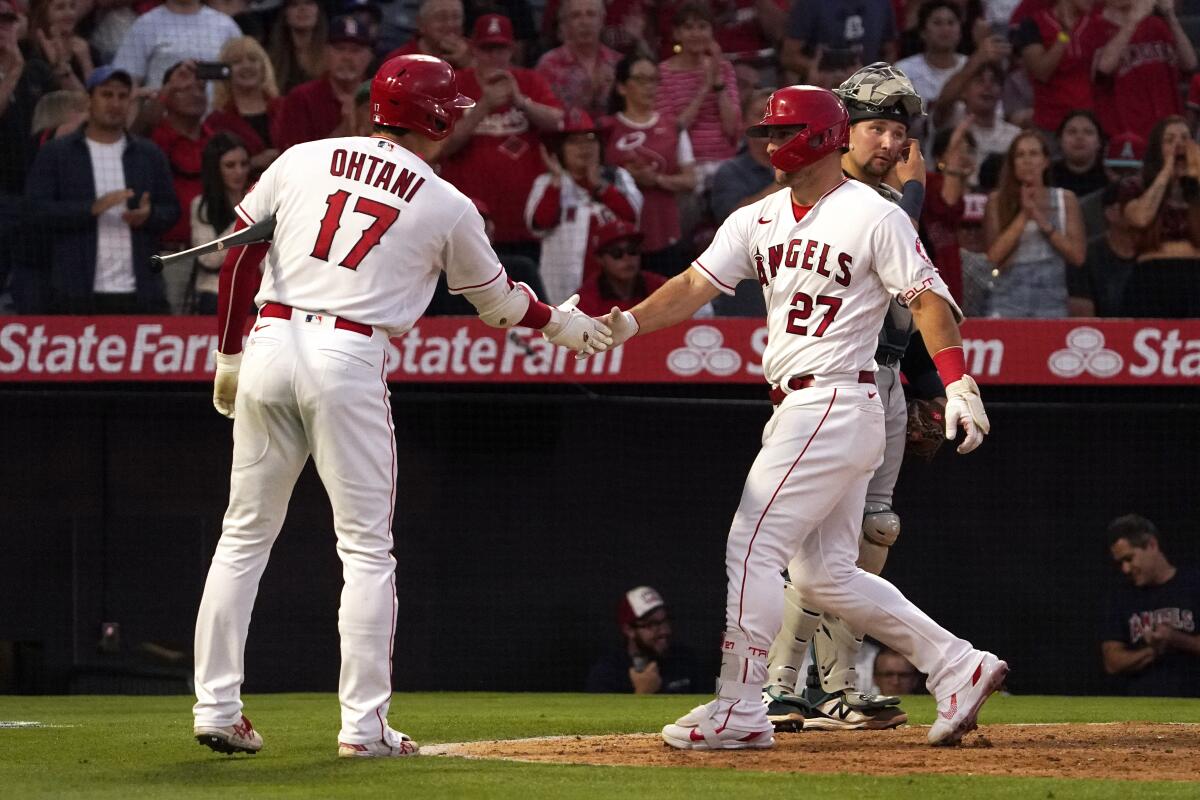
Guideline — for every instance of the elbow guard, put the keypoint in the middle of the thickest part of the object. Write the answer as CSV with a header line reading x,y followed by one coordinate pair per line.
x,y
505,305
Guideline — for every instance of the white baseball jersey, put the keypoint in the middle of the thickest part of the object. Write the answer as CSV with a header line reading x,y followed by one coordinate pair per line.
x,y
363,228
827,278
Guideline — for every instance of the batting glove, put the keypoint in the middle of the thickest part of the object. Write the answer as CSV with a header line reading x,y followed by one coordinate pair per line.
x,y
965,407
225,382
571,328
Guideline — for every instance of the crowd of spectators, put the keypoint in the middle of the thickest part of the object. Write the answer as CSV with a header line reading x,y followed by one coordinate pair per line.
x,y
607,140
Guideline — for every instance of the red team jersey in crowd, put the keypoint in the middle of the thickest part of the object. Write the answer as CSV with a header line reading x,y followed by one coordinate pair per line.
x,y
185,155
658,144
336,201
1070,87
1144,87
500,161
311,111
827,275
596,298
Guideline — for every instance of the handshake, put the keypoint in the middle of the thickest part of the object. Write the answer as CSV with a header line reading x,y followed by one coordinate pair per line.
x,y
571,328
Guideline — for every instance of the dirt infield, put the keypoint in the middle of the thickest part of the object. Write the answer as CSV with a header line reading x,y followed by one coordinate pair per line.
x,y
1121,751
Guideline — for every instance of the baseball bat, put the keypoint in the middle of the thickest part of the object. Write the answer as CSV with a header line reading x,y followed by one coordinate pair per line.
x,y
254,234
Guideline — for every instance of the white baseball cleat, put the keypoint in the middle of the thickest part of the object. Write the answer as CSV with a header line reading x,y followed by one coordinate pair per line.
x,y
697,730
237,738
957,713
394,745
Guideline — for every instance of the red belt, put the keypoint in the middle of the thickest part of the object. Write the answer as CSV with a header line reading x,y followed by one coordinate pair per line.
x,y
280,311
804,381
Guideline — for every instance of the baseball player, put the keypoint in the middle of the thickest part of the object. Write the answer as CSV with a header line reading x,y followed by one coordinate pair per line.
x,y
363,228
882,103
829,254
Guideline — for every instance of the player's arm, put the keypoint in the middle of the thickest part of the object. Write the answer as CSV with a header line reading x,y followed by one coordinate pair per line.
x,y
473,271
1120,659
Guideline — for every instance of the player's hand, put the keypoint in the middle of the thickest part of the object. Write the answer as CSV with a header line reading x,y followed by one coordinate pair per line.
x,y
964,408
225,382
571,328
911,166
648,681
622,324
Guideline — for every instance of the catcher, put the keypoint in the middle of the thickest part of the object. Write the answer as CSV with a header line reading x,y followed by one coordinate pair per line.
x,y
882,103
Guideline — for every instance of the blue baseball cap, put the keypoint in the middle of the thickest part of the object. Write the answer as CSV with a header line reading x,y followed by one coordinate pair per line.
x,y
107,73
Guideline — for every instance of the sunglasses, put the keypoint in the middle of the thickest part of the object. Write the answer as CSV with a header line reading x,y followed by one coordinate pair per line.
x,y
621,252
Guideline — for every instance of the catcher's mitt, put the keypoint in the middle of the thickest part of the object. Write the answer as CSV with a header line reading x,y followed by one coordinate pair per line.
x,y
926,428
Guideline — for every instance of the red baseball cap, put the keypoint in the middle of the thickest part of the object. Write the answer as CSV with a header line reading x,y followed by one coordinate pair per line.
x,y
614,230
1125,151
637,603
492,29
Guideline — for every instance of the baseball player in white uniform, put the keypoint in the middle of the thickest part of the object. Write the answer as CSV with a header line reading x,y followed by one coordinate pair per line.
x,y
363,228
829,254
882,103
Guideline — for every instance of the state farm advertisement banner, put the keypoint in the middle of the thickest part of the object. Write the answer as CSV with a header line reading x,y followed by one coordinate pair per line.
x,y
464,350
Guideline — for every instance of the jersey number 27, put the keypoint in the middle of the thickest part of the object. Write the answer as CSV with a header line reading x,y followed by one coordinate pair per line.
x,y
384,215
804,306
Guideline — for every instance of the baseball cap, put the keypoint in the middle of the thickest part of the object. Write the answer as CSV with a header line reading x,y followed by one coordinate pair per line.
x,y
616,230
1125,151
637,603
350,30
102,74
8,11
354,6
492,29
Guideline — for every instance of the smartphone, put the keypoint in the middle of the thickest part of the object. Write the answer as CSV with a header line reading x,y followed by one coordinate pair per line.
x,y
212,71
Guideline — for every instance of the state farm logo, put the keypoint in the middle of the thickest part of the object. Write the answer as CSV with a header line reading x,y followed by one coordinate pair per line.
x,y
1085,352
702,351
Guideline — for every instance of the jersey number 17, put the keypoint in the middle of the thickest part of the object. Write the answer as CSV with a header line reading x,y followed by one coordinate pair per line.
x,y
384,216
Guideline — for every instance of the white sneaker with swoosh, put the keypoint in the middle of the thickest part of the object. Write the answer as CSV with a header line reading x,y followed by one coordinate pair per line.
x,y
957,713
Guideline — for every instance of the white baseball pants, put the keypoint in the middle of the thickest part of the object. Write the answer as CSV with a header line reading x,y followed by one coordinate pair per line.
x,y
801,508
307,387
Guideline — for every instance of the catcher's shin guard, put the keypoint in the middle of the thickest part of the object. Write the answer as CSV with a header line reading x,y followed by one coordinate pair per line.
x,y
787,651
835,652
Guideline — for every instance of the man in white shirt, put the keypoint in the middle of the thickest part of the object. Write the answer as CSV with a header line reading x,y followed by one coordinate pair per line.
x,y
176,31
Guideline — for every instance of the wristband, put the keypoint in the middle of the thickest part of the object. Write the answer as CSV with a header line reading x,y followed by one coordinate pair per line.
x,y
951,364
912,198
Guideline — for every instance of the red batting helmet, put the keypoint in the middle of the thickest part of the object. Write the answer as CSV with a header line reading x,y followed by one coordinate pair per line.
x,y
824,123
419,93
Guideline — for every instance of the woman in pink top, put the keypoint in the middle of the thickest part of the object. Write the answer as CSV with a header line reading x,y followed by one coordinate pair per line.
x,y
699,89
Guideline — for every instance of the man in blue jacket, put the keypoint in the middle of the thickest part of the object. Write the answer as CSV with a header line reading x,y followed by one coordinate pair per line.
x,y
103,198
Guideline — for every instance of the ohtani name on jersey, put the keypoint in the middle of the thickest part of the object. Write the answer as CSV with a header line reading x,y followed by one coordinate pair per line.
x,y
807,254
375,171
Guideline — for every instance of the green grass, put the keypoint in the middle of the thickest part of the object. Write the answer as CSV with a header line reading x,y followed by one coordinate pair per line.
x,y
121,747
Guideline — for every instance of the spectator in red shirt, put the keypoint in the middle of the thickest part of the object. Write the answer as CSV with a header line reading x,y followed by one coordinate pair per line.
x,y
620,282
954,157
1138,49
248,105
439,34
574,196
1051,46
324,108
182,135
699,89
750,30
580,72
659,157
298,43
493,153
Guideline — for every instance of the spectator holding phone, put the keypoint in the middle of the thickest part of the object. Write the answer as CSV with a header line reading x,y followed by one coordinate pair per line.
x,y
991,53
298,43
439,34
248,103
1034,233
176,31
1051,46
648,661
1166,215
1137,49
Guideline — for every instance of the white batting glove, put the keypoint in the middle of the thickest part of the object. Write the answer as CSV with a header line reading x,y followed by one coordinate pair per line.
x,y
571,328
225,382
624,326
965,407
